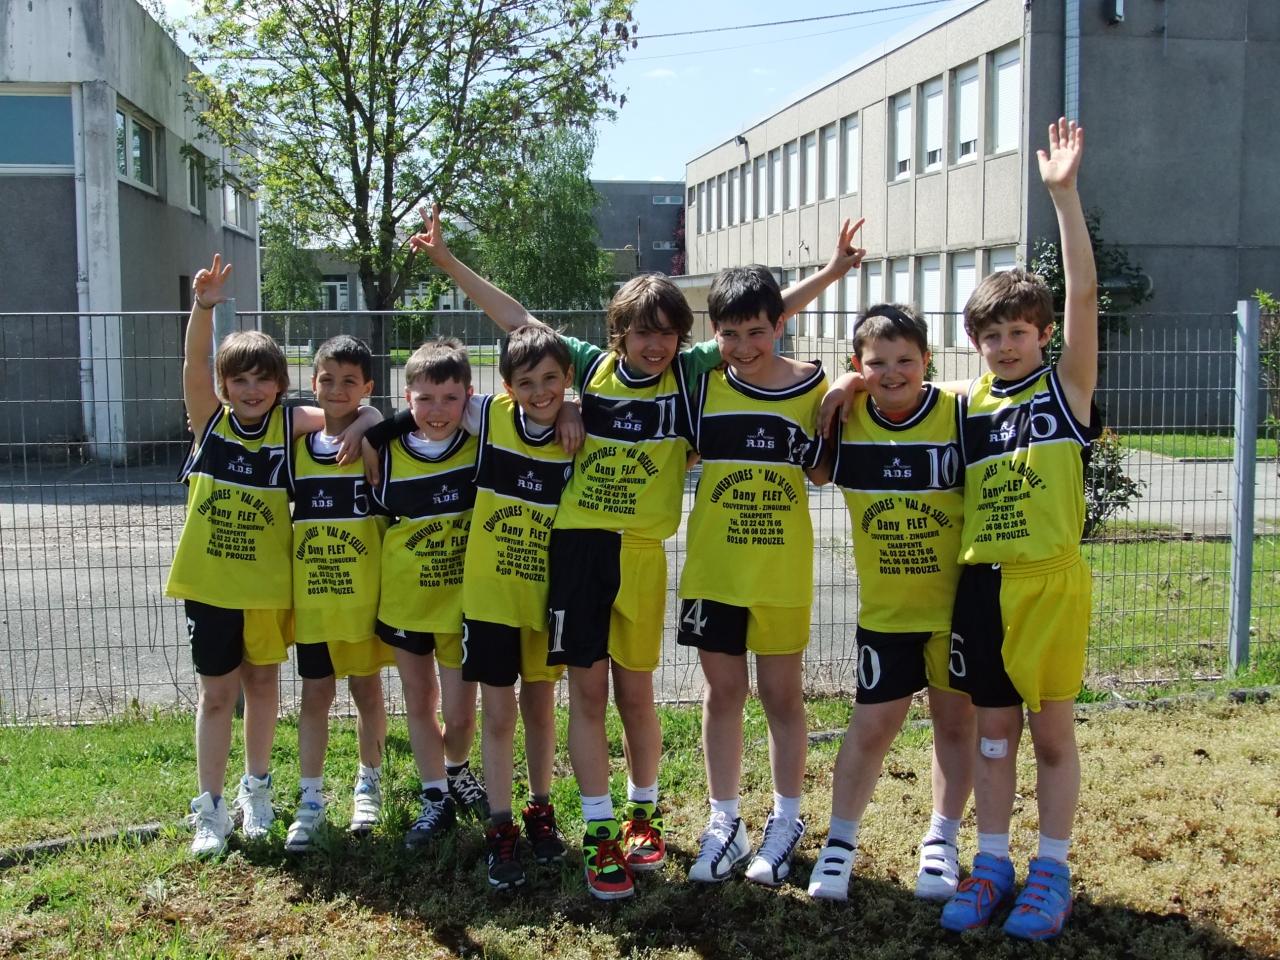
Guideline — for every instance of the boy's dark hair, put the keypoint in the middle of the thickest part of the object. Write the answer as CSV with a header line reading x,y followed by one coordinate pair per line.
x,y
740,293
636,304
248,350
890,321
347,349
436,361
1009,295
528,345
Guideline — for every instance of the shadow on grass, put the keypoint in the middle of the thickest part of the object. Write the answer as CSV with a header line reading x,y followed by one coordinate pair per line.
x,y
444,890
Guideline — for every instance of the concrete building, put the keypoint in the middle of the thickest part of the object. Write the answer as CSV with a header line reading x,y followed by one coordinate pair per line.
x,y
932,138
106,216
637,220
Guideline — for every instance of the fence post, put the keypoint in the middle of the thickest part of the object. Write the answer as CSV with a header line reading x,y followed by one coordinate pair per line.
x,y
1248,346
224,321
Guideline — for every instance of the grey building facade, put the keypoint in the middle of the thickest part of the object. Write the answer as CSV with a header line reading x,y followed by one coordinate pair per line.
x,y
642,215
113,220
932,139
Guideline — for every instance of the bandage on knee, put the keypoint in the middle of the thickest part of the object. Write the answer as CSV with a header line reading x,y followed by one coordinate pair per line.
x,y
993,749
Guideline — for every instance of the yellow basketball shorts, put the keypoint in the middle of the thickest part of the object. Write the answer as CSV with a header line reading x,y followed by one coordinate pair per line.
x,y
498,654
222,638
896,665
724,628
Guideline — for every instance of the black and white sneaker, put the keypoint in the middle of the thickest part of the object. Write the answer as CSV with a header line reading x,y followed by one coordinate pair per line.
x,y
772,862
469,795
724,845
437,816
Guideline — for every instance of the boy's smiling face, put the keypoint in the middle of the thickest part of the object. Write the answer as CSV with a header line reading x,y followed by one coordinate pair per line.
x,y
1013,348
339,388
649,351
251,394
539,390
894,373
747,344
437,407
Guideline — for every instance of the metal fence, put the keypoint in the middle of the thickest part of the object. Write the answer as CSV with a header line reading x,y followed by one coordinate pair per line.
x,y
92,432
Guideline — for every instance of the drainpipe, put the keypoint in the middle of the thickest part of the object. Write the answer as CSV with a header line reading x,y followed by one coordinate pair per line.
x,y
1071,60
82,268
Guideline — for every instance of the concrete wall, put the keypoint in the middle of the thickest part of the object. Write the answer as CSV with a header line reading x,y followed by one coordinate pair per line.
x,y
626,214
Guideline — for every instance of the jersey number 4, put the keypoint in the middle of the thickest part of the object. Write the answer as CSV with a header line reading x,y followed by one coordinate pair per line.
x,y
692,620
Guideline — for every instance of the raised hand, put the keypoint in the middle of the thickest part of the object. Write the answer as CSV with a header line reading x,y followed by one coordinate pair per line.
x,y
431,239
1061,163
209,286
847,254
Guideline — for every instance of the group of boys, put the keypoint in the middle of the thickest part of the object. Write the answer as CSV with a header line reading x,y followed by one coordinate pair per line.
x,y
482,540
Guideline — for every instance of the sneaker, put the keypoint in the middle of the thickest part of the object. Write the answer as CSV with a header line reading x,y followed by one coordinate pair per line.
x,y
939,873
306,821
1044,903
642,836
505,871
366,809
254,803
830,877
722,846
436,817
469,795
608,875
772,862
212,825
544,836
980,894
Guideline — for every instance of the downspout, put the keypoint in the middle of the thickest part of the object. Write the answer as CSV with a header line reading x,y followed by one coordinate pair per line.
x,y
82,268
1071,61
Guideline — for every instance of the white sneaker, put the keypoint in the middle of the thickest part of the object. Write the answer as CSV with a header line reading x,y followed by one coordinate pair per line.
x,y
772,862
254,803
366,809
212,826
723,845
306,821
830,877
939,869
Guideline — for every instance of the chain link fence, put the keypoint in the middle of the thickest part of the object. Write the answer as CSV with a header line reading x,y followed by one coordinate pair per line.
x,y
92,433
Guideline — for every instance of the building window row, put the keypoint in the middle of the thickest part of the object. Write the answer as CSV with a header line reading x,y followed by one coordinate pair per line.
x,y
661,200
38,129
135,148
237,209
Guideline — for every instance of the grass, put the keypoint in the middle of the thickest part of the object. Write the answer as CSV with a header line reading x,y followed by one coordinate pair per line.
x,y
1178,853
480,355
1196,446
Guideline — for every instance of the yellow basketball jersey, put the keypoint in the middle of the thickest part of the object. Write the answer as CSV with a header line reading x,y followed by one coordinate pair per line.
x,y
234,548
337,547
629,474
904,485
519,479
750,537
429,501
1024,456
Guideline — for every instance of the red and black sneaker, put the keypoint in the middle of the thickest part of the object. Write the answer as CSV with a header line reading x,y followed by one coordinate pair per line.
x,y
544,836
505,869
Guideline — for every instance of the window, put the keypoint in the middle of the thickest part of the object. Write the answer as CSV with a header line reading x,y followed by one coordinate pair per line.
x,y
722,202
828,318
809,179
664,244
667,201
760,188
901,137
195,186
334,293
702,208
875,283
849,304
965,105
713,206
1002,258
775,181
830,170
235,209
732,211
900,288
929,295
791,190
933,138
746,201
852,148
135,149
1006,100
37,131
964,277
789,279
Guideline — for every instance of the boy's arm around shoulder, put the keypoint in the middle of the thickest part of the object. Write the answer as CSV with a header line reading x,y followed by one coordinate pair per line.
x,y
198,391
1078,365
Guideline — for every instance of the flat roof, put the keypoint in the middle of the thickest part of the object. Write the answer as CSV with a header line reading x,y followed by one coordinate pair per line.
x,y
915,31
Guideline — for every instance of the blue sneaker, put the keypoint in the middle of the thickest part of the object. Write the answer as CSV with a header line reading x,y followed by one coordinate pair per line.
x,y
980,894
1044,904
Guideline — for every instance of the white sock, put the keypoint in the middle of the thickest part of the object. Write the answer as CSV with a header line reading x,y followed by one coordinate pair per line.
x,y
786,807
597,808
727,807
1056,849
944,828
642,794
845,830
313,786
370,773
442,785
996,844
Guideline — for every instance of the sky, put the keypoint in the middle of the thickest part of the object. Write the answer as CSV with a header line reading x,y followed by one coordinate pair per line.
x,y
687,94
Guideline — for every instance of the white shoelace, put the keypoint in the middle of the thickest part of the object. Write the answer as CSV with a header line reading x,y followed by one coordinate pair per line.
x,y
780,836
720,831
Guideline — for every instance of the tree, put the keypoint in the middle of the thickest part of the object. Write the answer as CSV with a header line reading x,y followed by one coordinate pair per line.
x,y
542,245
355,112
290,277
678,259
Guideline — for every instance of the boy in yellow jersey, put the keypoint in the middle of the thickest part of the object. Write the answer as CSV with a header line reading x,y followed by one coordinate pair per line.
x,y
898,464
427,487
747,582
607,565
337,542
1022,606
232,563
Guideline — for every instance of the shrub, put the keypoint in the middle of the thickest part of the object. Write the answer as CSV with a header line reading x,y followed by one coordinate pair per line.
x,y
1107,488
